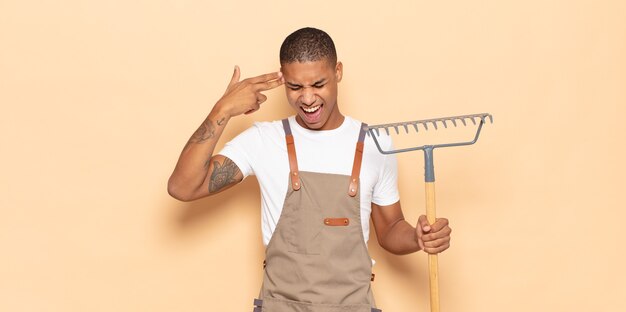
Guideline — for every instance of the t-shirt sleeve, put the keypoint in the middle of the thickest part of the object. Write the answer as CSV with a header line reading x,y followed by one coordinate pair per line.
x,y
241,148
386,189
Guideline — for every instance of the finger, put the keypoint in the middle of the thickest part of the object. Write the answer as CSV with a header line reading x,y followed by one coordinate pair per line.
x,y
265,77
423,222
236,76
437,247
439,224
268,85
255,108
437,250
260,98
437,235
437,243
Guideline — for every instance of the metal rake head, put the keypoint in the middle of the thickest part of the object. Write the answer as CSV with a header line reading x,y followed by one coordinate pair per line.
x,y
374,130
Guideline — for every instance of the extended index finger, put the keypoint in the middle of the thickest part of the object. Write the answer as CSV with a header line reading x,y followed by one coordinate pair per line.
x,y
268,85
266,77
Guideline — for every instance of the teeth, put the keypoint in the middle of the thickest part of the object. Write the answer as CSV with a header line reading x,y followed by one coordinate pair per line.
x,y
311,109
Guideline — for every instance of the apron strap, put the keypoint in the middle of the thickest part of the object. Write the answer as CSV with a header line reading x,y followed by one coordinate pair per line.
x,y
293,160
356,166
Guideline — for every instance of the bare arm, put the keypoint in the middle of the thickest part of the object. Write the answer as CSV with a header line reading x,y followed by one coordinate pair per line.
x,y
397,236
198,172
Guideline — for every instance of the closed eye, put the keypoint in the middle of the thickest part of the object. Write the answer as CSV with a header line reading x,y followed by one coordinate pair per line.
x,y
293,86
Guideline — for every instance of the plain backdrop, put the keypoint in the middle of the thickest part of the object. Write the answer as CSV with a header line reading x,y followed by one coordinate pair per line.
x,y
99,97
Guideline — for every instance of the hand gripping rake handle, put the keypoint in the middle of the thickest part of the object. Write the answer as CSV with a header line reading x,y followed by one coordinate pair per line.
x,y
429,174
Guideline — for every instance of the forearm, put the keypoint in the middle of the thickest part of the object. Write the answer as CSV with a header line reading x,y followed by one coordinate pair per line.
x,y
400,238
190,174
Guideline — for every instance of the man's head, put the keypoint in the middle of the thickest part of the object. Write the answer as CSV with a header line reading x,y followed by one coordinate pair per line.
x,y
309,65
308,45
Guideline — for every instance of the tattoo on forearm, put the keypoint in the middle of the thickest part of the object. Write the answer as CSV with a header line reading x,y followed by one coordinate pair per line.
x,y
221,121
204,132
223,174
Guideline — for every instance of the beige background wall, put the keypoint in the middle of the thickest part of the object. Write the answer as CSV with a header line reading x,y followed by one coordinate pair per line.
x,y
98,98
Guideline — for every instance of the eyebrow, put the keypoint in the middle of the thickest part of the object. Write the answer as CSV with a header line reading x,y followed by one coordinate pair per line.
x,y
292,84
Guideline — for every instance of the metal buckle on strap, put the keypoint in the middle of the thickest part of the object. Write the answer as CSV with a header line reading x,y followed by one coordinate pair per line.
x,y
258,304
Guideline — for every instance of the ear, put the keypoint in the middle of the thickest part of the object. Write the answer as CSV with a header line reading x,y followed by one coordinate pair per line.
x,y
339,71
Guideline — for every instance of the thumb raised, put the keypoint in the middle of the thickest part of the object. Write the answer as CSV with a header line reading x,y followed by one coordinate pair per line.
x,y
236,75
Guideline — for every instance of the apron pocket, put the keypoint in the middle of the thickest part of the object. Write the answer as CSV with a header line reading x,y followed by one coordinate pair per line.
x,y
301,234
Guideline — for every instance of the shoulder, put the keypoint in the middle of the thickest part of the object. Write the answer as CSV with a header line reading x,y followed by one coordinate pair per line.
x,y
353,123
380,140
265,129
268,126
258,135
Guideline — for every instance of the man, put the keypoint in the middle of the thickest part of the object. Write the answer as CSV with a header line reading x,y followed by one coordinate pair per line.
x,y
316,256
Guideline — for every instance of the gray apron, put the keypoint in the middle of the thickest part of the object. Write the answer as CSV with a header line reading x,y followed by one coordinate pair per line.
x,y
316,260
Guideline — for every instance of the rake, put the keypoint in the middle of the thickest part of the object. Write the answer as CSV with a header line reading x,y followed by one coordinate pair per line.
x,y
429,175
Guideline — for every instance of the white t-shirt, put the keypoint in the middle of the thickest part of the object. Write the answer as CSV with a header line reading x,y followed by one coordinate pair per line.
x,y
261,150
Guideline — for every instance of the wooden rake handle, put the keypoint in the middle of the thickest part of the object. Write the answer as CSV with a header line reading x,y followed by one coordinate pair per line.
x,y
433,268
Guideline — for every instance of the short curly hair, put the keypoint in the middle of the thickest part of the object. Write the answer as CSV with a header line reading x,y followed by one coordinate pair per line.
x,y
308,45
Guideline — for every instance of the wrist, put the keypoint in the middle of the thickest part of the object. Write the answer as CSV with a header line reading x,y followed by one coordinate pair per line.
x,y
220,113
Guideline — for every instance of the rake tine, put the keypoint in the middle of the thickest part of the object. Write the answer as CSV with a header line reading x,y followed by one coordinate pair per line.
x,y
444,123
406,128
416,129
473,121
425,126
453,122
387,130
491,118
435,124
396,127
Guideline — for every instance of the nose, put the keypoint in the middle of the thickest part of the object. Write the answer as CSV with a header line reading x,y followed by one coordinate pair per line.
x,y
308,96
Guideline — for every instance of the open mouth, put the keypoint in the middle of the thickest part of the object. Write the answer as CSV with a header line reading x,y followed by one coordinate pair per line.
x,y
310,110
312,114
